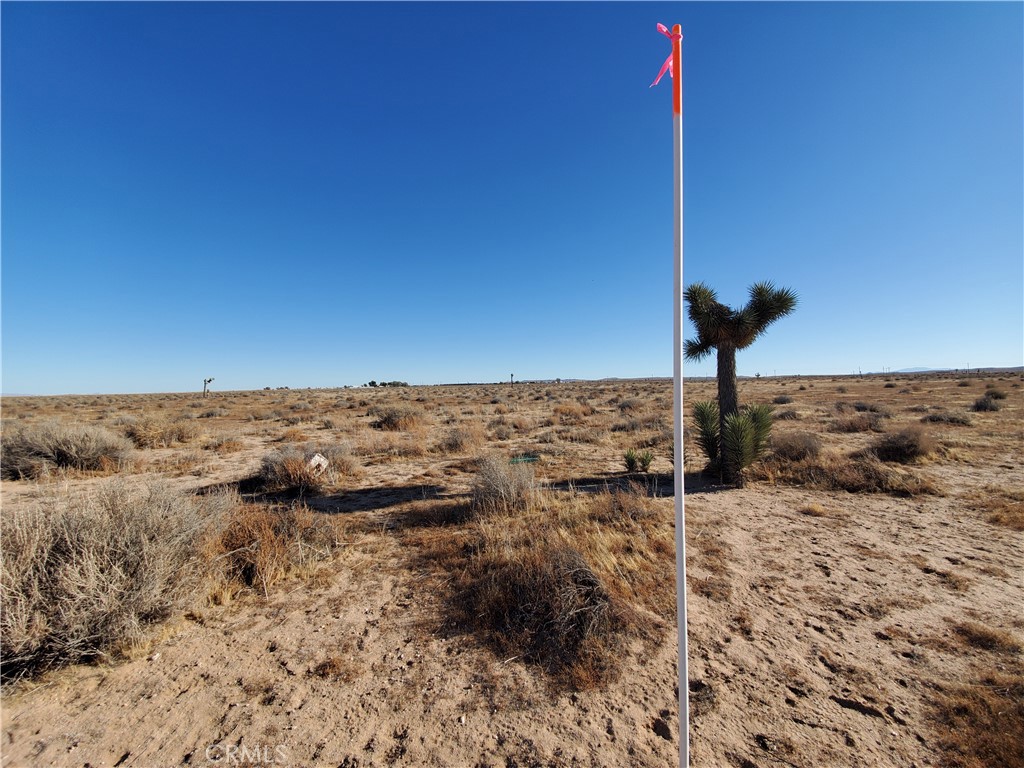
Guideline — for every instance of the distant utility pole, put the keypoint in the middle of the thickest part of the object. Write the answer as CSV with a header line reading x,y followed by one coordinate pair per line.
x,y
206,383
511,379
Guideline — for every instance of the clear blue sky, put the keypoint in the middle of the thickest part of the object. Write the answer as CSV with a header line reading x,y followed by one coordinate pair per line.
x,y
323,194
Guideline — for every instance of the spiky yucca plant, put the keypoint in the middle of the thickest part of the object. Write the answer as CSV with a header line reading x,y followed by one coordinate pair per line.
x,y
705,415
741,442
632,460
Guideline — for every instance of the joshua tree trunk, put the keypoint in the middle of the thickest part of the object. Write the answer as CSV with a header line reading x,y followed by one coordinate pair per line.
x,y
728,399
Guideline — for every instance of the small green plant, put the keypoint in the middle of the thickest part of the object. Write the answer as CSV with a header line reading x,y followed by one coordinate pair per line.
x,y
632,460
645,458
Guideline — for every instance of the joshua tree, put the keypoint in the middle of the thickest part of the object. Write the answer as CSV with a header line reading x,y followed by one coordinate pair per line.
x,y
206,383
726,330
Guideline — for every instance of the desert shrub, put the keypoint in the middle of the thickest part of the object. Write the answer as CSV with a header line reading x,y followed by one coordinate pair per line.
x,y
395,418
213,413
858,422
33,450
338,454
461,439
573,413
796,446
551,607
803,388
289,471
83,577
889,385
503,487
155,432
946,418
787,415
995,394
629,405
782,400
258,545
985,403
904,446
862,407
963,383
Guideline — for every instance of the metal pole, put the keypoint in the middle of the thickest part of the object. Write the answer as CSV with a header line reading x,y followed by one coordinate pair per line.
x,y
677,324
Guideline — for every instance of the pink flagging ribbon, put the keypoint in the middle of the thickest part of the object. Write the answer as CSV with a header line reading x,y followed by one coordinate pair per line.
x,y
667,66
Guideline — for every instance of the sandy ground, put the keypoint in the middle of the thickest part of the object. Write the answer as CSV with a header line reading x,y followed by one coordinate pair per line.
x,y
821,625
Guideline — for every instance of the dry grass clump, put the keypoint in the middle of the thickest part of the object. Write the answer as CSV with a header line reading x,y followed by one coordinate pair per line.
x,y
1003,506
813,510
258,546
32,451
502,487
224,445
985,403
396,418
570,414
986,638
640,422
83,577
905,446
829,472
155,432
461,439
947,418
795,446
565,586
979,723
547,605
858,422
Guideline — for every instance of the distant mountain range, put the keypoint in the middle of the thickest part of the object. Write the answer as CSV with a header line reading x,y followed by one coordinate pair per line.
x,y
941,370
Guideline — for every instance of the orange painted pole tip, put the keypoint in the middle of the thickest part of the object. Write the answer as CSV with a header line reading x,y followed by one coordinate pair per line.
x,y
677,69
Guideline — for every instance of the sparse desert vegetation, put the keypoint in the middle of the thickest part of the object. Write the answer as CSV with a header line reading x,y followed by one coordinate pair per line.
x,y
486,573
